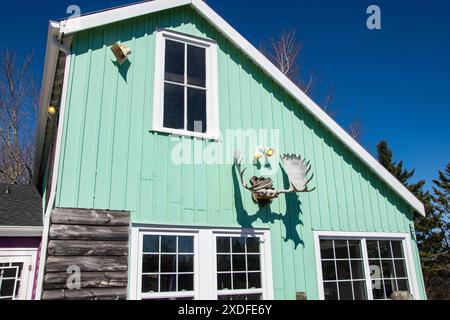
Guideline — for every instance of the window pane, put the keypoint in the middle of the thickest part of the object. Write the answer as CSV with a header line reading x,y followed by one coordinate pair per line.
x,y
326,249
173,106
239,281
7,288
397,249
168,244
168,263
355,249
224,281
402,285
223,245
151,244
196,66
186,263
330,291
223,263
253,262
378,289
400,268
196,110
168,282
241,297
174,61
253,245
343,270
340,247
185,282
359,289
375,269
345,291
328,270
239,262
254,280
238,245
357,269
389,286
11,272
150,263
150,283
388,269
372,249
186,244
385,249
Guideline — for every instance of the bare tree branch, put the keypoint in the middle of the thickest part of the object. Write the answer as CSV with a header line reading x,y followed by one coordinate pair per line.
x,y
18,114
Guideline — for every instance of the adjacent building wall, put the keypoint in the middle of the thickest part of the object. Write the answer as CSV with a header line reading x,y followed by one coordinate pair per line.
x,y
112,160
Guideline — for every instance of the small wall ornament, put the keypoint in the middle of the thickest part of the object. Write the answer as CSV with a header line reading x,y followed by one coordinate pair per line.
x,y
263,192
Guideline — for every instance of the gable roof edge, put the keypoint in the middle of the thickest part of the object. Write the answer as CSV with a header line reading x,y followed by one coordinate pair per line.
x,y
90,21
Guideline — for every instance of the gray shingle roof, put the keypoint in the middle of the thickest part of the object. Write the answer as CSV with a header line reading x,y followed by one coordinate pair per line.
x,y
20,205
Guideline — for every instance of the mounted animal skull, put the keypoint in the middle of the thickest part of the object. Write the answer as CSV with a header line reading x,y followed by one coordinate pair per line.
x,y
262,188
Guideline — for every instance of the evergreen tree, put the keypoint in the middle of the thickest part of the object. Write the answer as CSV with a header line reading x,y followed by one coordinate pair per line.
x,y
432,230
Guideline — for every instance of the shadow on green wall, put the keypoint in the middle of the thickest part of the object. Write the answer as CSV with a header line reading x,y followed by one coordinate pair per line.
x,y
290,219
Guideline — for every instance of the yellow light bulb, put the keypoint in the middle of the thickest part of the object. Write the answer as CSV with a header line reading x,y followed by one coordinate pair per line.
x,y
51,110
270,152
258,155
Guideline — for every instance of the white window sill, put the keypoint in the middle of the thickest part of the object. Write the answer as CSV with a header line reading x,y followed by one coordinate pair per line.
x,y
190,134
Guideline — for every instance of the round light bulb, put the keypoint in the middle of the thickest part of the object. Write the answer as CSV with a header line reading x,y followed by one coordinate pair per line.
x,y
270,152
51,110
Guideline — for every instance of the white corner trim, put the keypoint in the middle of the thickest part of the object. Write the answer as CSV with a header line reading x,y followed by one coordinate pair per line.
x,y
20,231
109,16
406,240
51,202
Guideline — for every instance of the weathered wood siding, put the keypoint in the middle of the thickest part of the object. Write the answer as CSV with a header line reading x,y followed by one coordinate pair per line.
x,y
111,160
94,241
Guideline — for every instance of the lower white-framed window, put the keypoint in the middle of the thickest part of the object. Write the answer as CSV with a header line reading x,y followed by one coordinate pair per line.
x,y
168,265
238,267
363,266
17,267
206,264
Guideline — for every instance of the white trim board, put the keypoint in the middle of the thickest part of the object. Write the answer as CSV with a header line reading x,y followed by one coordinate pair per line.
x,y
77,24
21,231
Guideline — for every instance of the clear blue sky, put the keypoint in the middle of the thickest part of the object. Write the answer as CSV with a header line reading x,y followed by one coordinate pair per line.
x,y
396,81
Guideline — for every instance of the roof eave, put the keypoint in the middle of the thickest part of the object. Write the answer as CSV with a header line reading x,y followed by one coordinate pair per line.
x,y
50,64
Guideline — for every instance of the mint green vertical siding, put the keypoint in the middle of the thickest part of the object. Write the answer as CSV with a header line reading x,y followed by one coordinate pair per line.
x,y
111,159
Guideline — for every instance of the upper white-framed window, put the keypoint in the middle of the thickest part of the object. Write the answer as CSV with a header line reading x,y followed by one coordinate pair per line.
x,y
155,272
364,265
185,99
17,269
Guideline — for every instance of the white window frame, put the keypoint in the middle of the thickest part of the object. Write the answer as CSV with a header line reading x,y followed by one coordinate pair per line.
x,y
212,88
266,264
205,258
28,258
166,295
363,237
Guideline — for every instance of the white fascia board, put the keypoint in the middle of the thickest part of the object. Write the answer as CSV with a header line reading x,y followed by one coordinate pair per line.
x,y
51,61
102,18
255,55
21,231
89,21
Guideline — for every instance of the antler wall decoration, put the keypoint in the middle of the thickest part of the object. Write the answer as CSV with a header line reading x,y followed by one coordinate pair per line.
x,y
262,188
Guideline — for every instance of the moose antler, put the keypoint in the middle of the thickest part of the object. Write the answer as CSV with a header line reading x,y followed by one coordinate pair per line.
x,y
297,171
262,188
